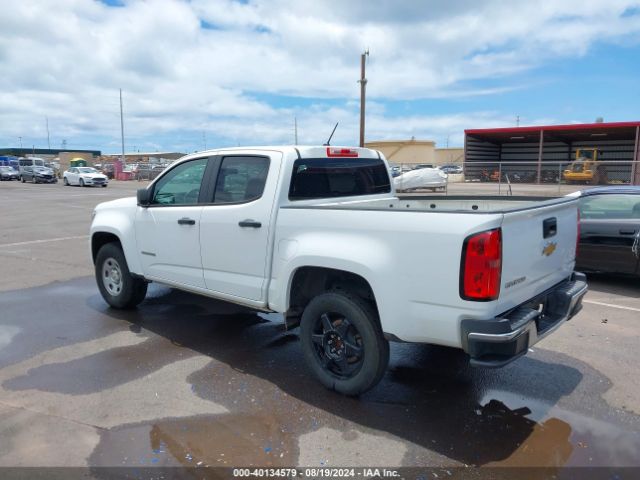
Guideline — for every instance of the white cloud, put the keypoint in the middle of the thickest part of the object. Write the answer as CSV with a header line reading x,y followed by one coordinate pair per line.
x,y
67,59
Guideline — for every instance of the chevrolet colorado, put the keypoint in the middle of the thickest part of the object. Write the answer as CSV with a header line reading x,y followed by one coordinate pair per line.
x,y
318,234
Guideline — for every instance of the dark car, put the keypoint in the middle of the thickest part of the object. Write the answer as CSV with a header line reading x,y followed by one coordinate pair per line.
x,y
38,175
395,170
108,169
451,169
9,173
418,166
609,230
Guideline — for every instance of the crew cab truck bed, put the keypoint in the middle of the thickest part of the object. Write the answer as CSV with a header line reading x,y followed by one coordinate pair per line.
x,y
317,234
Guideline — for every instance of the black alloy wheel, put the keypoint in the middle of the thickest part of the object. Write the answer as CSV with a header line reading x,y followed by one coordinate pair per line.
x,y
343,343
338,345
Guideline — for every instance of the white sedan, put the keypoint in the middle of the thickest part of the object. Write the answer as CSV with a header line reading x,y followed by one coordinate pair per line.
x,y
84,176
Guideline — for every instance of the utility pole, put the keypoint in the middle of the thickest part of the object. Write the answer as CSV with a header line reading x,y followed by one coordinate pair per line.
x,y
20,138
517,120
122,129
295,131
363,88
48,138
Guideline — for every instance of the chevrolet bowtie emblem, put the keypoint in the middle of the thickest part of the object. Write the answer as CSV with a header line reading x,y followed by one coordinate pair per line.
x,y
549,248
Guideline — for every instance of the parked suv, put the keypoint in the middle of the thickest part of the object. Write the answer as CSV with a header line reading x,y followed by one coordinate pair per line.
x,y
38,175
29,162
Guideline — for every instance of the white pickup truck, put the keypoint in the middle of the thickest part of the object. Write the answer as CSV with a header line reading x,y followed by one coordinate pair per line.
x,y
317,234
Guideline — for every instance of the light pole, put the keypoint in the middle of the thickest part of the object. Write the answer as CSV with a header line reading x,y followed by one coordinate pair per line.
x,y
363,88
48,137
20,138
122,130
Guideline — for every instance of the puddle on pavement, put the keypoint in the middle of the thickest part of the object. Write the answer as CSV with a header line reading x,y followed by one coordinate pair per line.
x,y
506,434
430,399
101,371
217,441
560,438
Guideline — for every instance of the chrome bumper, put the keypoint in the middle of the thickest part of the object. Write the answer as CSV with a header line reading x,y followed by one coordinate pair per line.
x,y
499,341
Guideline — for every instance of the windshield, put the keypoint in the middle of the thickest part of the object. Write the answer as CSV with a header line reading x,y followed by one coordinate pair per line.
x,y
586,154
577,167
87,170
338,177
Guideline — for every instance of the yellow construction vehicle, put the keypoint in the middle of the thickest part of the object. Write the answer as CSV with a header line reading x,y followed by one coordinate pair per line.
x,y
586,168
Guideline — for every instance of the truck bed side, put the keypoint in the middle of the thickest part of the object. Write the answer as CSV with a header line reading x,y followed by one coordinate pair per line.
x,y
411,259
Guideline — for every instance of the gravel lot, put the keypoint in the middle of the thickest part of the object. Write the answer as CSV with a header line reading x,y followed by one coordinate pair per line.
x,y
184,379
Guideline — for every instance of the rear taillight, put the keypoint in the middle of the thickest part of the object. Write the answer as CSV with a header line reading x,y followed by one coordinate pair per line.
x,y
481,266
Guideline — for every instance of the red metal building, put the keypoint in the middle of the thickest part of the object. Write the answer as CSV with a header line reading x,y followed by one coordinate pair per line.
x,y
541,150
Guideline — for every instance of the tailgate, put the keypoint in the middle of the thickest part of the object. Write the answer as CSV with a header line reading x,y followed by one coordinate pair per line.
x,y
538,250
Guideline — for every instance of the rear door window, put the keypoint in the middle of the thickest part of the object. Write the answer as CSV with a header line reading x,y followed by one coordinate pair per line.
x,y
241,179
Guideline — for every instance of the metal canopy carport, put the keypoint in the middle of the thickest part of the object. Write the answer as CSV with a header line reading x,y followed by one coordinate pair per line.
x,y
618,141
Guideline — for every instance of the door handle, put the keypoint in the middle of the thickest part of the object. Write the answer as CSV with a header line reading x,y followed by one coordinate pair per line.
x,y
627,232
186,221
250,223
549,227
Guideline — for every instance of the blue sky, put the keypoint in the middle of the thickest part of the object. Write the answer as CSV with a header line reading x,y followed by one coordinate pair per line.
x,y
601,83
222,72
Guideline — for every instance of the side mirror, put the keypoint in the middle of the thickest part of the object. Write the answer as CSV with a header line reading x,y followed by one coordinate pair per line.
x,y
144,197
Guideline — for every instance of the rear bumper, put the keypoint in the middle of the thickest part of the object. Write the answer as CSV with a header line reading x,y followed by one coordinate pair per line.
x,y
498,341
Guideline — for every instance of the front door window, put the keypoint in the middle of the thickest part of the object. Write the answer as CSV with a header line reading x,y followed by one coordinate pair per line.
x,y
181,185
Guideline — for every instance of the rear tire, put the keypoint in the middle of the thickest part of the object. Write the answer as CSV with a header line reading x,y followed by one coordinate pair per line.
x,y
117,286
343,343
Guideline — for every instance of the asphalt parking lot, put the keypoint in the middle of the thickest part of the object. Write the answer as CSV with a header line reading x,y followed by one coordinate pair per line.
x,y
185,380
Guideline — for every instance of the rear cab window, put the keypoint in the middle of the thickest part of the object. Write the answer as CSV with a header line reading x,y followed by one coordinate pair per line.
x,y
314,178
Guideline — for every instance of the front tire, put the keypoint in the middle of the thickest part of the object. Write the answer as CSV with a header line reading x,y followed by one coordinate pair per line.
x,y
33,179
81,183
65,181
343,343
117,286
22,179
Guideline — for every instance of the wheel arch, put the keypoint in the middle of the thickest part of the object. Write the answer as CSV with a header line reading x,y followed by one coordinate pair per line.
x,y
104,235
99,239
308,281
